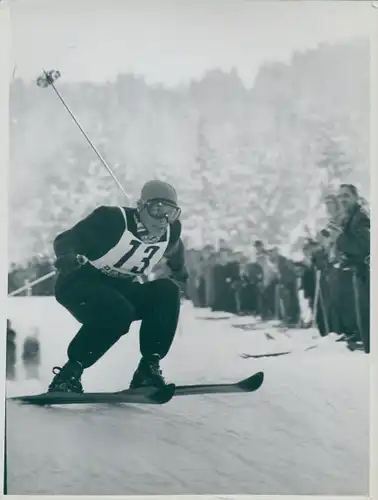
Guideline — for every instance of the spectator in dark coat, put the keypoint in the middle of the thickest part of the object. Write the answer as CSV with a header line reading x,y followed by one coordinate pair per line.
x,y
31,356
11,352
288,295
353,245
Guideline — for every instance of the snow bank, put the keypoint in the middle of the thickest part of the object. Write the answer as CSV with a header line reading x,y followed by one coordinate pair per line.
x,y
304,432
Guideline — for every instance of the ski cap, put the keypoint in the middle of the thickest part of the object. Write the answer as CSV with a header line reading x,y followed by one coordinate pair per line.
x,y
159,189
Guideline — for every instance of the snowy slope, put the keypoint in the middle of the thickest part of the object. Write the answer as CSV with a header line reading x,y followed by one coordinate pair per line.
x,y
304,432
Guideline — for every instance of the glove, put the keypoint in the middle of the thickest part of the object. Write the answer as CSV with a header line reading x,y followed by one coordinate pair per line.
x,y
69,262
180,276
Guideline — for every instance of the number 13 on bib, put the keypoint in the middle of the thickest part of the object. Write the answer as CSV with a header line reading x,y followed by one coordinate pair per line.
x,y
131,256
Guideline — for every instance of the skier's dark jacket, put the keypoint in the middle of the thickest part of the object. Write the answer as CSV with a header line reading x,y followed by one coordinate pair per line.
x,y
101,230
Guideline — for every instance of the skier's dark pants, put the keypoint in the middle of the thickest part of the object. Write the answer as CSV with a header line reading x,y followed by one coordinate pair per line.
x,y
107,306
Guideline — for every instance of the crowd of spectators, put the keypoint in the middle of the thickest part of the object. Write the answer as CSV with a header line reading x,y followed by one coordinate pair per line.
x,y
333,275
336,271
19,275
30,356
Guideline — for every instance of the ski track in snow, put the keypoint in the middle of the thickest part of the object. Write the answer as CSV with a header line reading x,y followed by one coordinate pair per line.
x,y
306,431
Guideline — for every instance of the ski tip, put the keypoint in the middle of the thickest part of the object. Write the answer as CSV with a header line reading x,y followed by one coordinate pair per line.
x,y
17,398
244,355
24,400
252,383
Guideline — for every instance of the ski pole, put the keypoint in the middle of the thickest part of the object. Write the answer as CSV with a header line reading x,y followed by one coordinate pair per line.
x,y
276,302
31,284
324,311
357,304
316,298
47,80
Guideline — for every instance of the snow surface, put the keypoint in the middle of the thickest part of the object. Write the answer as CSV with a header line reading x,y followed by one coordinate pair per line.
x,y
306,431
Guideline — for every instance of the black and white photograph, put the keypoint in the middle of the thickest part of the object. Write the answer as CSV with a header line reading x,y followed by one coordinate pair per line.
x,y
188,240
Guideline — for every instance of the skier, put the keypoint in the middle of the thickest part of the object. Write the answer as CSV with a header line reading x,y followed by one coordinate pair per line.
x,y
99,261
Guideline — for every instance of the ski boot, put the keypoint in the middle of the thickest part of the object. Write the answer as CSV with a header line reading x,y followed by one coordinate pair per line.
x,y
67,378
148,374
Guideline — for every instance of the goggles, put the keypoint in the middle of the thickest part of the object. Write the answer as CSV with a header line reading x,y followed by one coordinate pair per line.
x,y
162,209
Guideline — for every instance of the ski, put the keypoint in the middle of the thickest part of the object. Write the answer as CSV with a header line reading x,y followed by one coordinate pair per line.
x,y
216,318
276,354
267,355
131,396
143,395
351,346
249,384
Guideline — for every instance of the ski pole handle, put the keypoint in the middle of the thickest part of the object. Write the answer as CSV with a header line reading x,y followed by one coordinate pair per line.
x,y
82,259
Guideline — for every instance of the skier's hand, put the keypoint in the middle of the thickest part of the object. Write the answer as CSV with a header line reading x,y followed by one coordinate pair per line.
x,y
69,262
180,277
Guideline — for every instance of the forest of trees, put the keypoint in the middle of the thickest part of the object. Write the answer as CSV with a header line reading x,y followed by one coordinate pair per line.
x,y
247,162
